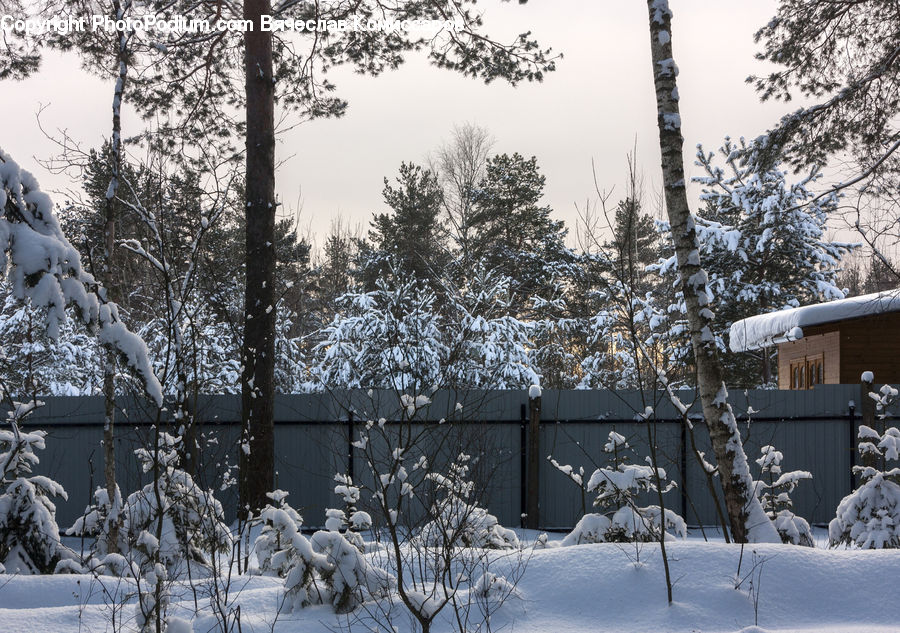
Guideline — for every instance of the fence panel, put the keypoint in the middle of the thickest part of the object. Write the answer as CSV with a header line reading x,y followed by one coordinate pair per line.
x,y
812,428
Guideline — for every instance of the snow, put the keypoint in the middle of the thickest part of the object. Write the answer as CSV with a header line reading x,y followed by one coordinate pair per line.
x,y
565,590
671,120
867,376
534,391
667,68
776,327
45,268
661,12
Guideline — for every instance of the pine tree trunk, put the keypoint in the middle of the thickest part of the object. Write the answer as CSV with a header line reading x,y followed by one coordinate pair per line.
x,y
745,514
257,472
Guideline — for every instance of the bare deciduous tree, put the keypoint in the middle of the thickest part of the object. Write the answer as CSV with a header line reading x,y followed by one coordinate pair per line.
x,y
460,165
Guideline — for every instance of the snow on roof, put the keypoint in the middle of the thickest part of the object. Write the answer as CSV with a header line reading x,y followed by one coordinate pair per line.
x,y
786,325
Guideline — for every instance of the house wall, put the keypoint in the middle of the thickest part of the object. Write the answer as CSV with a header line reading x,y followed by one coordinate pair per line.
x,y
871,344
820,339
848,348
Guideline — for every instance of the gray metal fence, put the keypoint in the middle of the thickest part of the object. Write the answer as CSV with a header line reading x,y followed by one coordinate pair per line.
x,y
814,429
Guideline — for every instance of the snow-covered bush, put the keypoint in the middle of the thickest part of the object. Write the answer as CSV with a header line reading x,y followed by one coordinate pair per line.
x,y
283,551
774,491
869,517
29,535
350,521
325,569
168,523
349,578
153,595
96,520
458,522
591,528
491,588
616,488
280,522
187,521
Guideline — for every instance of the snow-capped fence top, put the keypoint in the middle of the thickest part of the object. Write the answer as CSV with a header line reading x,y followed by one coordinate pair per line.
x,y
787,325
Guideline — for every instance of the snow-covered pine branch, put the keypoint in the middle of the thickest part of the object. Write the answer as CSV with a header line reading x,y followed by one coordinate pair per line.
x,y
45,268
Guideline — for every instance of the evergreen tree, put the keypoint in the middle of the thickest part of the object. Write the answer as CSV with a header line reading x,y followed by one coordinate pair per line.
x,y
29,535
841,56
774,490
389,338
869,517
619,302
764,243
195,84
844,51
32,364
617,486
490,348
510,230
876,276
335,272
409,239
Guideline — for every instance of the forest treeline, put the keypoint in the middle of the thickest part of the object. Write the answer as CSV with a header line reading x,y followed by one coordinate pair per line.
x,y
463,278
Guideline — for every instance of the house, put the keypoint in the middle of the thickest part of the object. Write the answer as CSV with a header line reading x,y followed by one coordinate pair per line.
x,y
830,343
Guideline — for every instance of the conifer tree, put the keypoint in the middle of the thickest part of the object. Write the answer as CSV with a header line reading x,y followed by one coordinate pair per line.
x,y
764,244
512,232
409,238
194,82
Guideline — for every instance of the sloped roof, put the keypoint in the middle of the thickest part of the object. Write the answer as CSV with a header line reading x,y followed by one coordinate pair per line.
x,y
787,325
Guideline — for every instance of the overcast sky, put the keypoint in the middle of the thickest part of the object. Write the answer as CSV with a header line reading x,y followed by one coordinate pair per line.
x,y
595,107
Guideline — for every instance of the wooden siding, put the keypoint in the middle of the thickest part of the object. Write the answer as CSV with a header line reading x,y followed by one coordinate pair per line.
x,y
821,340
849,348
871,344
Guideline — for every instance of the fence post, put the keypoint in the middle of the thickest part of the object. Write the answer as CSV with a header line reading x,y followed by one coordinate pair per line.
x,y
684,466
350,445
867,412
523,465
534,424
851,407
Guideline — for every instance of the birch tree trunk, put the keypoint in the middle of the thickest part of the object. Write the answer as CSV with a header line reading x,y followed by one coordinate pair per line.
x,y
111,285
746,517
257,470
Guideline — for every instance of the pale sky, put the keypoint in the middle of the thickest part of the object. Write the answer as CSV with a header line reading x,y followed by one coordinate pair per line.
x,y
596,106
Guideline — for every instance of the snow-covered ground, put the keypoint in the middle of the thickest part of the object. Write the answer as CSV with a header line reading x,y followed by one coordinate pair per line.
x,y
602,587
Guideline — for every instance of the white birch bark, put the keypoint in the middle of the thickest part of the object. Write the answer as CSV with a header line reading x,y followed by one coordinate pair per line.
x,y
109,281
746,517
